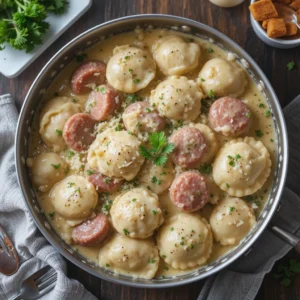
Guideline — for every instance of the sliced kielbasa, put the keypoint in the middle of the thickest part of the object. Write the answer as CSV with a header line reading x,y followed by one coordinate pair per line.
x,y
190,147
103,183
189,191
87,76
92,232
79,131
230,116
141,116
103,102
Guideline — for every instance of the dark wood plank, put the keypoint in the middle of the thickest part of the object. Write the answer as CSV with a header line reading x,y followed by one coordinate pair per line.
x,y
232,22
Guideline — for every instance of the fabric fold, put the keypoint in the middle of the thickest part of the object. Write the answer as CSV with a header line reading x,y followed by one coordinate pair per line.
x,y
33,249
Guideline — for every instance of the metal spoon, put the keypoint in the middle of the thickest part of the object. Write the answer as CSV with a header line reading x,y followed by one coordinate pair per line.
x,y
9,260
287,13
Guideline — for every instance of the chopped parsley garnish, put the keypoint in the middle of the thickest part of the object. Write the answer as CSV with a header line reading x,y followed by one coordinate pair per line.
x,y
237,157
58,132
172,228
77,191
291,65
51,215
202,79
152,261
166,268
107,265
161,96
74,100
180,123
136,80
133,200
248,114
163,256
154,179
126,232
205,169
210,50
130,70
119,127
70,184
258,133
272,140
90,172
102,90
231,209
148,110
107,180
81,57
211,94
55,166
267,113
233,160
191,246
160,148
71,154
227,185
131,98
261,105
106,207
126,58
154,212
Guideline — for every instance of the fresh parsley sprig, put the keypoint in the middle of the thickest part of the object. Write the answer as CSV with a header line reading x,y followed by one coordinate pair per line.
x,y
160,148
23,22
286,272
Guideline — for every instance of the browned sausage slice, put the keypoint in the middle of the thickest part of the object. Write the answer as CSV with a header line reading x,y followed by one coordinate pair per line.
x,y
190,147
87,76
79,131
103,183
146,117
103,102
230,116
92,232
189,191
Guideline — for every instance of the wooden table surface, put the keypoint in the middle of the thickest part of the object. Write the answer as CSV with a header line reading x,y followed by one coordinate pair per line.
x,y
233,22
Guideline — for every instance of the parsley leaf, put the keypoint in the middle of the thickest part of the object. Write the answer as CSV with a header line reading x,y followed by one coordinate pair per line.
x,y
160,148
291,65
55,166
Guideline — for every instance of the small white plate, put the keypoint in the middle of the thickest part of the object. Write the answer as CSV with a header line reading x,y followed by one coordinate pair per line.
x,y
13,62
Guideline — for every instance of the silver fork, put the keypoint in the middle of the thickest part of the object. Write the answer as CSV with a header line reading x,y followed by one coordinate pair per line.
x,y
38,284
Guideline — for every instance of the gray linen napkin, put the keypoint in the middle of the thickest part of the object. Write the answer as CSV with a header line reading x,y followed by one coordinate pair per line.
x,y
33,250
241,281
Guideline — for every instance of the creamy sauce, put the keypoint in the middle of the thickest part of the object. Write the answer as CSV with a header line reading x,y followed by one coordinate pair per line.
x,y
103,51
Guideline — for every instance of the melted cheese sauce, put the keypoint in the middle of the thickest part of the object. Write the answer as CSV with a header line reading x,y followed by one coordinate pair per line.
x,y
103,51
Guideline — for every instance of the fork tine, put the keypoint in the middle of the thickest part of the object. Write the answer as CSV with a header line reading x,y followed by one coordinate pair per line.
x,y
39,273
47,289
47,282
45,276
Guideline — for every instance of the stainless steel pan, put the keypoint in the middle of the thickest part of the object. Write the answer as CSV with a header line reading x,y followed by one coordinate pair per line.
x,y
58,62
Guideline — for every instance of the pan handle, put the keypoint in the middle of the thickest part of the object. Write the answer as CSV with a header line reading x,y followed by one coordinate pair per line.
x,y
288,237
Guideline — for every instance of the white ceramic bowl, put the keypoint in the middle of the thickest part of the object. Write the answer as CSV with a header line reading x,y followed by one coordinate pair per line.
x,y
277,43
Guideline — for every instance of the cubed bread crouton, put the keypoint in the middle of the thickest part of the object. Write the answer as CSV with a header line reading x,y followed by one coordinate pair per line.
x,y
295,5
265,23
276,28
263,10
291,29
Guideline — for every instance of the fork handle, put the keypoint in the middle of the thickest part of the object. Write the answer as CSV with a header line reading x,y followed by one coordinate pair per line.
x,y
17,297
